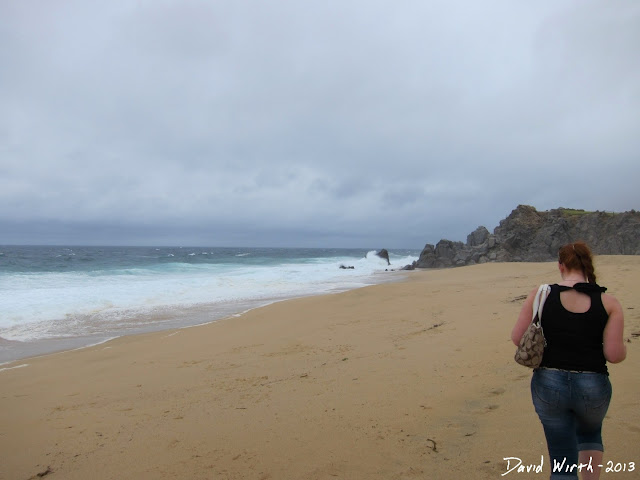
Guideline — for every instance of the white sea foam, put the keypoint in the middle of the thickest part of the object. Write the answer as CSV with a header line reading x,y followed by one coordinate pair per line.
x,y
13,368
106,303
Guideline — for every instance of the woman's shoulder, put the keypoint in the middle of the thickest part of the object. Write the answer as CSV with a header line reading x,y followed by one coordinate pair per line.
x,y
610,302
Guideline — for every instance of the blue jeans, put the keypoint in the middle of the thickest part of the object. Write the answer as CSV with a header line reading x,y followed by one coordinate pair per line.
x,y
571,407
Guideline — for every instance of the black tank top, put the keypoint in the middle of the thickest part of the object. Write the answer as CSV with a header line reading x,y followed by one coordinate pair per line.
x,y
574,340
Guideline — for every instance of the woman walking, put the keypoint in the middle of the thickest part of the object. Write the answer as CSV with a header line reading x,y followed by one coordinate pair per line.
x,y
571,391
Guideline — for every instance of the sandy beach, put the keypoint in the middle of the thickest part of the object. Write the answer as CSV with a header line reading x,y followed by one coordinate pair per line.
x,y
405,380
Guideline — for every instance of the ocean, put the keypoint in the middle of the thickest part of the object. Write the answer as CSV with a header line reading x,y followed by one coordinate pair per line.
x,y
55,298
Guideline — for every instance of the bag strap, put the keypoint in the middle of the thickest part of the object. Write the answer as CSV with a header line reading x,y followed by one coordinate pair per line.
x,y
538,302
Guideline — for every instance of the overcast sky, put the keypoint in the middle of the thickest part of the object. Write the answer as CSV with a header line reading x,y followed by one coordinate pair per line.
x,y
345,123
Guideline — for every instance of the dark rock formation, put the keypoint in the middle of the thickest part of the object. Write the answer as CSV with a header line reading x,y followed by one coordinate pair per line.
x,y
478,237
527,235
384,254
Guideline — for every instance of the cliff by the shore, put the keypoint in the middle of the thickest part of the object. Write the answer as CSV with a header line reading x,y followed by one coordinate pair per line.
x,y
528,235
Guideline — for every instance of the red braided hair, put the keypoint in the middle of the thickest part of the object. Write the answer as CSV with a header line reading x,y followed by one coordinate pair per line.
x,y
577,256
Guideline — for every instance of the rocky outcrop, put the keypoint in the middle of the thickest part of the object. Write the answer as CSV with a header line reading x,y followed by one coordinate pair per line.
x,y
527,235
384,254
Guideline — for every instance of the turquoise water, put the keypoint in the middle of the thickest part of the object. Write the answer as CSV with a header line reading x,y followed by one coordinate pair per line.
x,y
56,298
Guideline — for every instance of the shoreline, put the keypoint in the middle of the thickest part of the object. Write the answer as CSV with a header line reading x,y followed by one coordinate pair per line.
x,y
61,298
174,318
410,379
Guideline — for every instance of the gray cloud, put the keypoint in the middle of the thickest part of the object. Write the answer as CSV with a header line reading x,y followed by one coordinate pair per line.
x,y
296,123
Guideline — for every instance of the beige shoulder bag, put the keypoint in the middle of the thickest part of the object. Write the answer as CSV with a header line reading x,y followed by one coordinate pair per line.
x,y
529,352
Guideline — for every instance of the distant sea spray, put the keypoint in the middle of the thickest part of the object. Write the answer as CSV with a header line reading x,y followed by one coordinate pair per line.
x,y
56,298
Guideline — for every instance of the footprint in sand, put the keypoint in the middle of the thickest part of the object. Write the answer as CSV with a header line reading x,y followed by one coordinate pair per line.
x,y
495,392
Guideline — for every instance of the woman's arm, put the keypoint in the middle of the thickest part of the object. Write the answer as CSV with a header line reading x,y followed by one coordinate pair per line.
x,y
524,319
613,345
